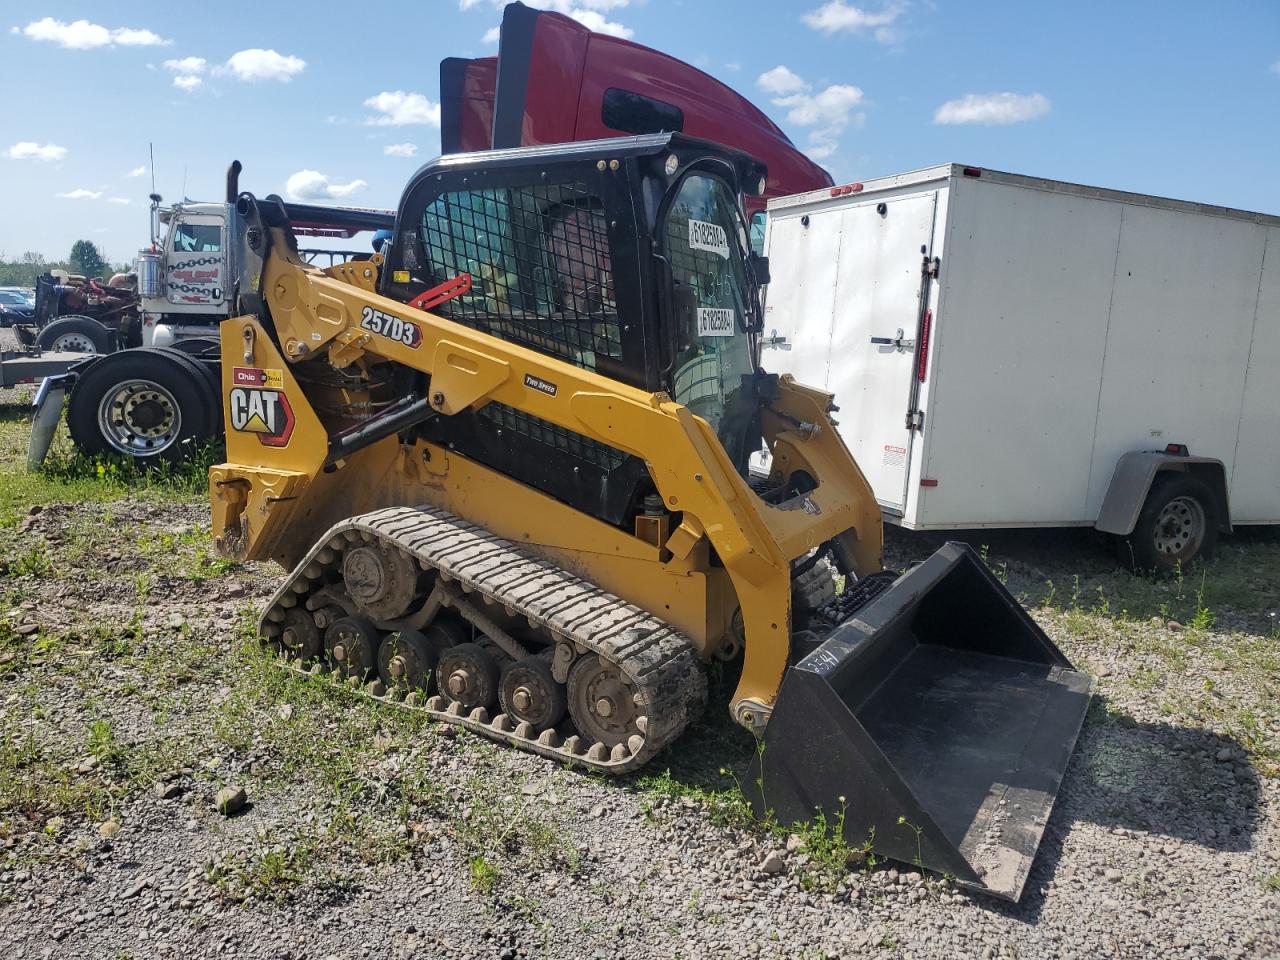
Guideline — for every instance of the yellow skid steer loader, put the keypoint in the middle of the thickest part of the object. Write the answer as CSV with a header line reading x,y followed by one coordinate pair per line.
x,y
506,461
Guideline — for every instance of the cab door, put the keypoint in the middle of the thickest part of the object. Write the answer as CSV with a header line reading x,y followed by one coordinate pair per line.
x,y
196,263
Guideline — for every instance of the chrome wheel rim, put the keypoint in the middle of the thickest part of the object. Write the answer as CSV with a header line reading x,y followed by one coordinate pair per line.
x,y
1180,528
72,343
139,417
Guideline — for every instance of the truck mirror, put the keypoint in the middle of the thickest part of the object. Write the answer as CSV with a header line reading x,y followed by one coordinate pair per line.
x,y
759,267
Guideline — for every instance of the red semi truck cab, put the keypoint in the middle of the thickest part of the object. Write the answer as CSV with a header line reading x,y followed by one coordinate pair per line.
x,y
554,81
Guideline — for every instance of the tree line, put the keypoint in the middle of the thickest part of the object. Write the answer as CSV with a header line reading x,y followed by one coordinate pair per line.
x,y
85,259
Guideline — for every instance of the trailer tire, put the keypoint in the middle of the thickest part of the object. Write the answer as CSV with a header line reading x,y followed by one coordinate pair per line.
x,y
148,405
74,334
1177,525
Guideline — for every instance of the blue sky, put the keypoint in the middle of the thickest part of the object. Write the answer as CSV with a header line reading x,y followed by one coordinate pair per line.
x,y
340,102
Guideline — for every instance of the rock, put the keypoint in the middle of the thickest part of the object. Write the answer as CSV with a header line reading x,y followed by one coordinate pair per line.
x,y
53,825
230,800
597,811
1174,625
1225,755
773,863
168,791
177,621
135,888
794,843
26,629
286,711
108,829
1112,875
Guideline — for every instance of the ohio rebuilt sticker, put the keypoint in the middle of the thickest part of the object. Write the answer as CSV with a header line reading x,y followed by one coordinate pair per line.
x,y
391,327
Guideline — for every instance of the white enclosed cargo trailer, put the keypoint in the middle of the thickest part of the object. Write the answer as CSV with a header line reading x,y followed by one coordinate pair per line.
x,y
1014,352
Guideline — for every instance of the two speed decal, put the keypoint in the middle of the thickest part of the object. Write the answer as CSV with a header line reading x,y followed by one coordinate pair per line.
x,y
393,328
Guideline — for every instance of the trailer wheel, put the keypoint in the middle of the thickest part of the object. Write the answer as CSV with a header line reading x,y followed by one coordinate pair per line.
x,y
145,404
1178,524
73,335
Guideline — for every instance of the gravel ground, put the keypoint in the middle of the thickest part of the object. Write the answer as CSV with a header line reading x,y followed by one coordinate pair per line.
x,y
130,694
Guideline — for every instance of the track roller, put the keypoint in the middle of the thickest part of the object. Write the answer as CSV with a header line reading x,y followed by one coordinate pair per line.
x,y
299,634
602,706
406,660
468,677
529,693
352,646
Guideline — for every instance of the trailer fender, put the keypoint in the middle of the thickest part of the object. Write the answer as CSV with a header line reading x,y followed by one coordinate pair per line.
x,y
1134,474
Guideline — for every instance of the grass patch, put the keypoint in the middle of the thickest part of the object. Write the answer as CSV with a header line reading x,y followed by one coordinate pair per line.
x,y
68,477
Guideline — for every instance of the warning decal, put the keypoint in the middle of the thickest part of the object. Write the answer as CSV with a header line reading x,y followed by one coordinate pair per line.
x,y
710,237
259,408
894,456
715,322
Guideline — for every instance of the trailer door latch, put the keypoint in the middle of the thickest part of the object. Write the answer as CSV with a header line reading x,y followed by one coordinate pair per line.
x,y
897,342
915,420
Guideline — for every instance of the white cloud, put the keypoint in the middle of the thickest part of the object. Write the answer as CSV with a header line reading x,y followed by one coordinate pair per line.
x,y
589,13
137,172
398,108
81,194
781,81
28,150
993,108
829,107
1275,67
187,65
83,35
596,22
838,16
187,83
828,112
733,67
313,185
123,201
257,64
491,35
400,149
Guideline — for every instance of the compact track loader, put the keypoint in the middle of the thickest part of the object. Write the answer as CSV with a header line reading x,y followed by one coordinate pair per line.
x,y
506,460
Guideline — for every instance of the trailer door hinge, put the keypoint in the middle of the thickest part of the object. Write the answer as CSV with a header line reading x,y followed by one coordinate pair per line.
x,y
915,419
931,265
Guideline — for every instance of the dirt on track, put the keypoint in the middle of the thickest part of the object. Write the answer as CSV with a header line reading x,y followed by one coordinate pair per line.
x,y
132,692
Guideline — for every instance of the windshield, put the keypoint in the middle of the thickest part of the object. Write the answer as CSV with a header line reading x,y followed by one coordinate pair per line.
x,y
706,241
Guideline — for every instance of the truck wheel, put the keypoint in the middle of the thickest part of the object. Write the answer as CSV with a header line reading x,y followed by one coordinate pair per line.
x,y
145,404
73,335
1178,524
210,377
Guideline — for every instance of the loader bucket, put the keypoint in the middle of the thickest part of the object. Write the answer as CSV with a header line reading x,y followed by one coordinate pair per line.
x,y
935,722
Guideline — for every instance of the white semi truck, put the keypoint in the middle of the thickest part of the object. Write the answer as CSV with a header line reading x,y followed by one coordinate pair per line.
x,y
1009,351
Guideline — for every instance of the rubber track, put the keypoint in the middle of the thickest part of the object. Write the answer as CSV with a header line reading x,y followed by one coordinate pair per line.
x,y
657,661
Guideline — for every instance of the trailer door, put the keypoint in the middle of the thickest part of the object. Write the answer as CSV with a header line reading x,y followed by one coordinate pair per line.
x,y
880,301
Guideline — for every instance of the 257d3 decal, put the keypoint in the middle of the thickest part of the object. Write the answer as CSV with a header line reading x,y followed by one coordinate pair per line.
x,y
259,405
393,328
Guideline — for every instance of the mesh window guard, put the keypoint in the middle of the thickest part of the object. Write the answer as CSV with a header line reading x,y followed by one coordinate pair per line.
x,y
540,266
541,277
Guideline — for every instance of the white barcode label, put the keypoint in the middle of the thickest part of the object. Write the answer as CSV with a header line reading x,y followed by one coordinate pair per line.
x,y
708,236
715,322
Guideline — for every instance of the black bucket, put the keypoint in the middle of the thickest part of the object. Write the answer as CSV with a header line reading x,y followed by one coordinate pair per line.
x,y
938,720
